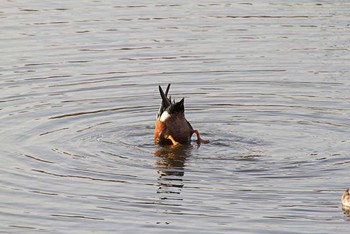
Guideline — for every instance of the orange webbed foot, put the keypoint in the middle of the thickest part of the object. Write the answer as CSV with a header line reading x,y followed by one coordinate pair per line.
x,y
172,140
199,139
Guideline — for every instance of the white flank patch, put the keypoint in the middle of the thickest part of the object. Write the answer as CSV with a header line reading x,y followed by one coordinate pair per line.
x,y
164,116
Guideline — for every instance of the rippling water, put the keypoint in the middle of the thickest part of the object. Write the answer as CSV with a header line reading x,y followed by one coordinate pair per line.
x,y
266,83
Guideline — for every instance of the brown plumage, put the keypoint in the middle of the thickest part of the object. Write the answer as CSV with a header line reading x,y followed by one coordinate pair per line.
x,y
171,126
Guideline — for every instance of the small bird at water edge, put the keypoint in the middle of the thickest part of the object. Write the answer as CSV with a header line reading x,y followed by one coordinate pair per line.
x,y
345,199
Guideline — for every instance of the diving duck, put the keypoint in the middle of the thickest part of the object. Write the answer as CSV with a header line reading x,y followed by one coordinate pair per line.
x,y
171,126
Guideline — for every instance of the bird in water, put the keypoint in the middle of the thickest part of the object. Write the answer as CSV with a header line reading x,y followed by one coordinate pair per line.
x,y
171,126
345,199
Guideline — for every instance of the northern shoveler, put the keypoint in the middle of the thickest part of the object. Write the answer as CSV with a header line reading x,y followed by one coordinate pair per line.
x,y
172,128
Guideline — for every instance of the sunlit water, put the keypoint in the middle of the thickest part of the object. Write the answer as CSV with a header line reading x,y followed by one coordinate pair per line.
x,y
267,83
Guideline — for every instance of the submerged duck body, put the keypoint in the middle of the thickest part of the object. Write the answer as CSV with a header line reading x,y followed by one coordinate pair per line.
x,y
171,126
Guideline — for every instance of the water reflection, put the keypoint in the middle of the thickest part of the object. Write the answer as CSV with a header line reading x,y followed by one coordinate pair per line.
x,y
171,169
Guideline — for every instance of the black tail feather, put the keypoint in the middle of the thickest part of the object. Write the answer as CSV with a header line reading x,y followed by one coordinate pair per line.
x,y
167,90
177,107
166,102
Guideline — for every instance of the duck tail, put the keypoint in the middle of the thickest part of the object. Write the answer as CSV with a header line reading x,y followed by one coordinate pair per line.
x,y
166,102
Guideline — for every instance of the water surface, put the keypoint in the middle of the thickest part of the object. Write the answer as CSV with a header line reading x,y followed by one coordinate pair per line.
x,y
266,83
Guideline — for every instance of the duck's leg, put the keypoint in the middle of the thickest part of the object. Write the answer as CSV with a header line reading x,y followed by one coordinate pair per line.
x,y
199,139
170,137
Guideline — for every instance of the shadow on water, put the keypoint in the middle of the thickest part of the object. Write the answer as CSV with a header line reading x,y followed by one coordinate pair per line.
x,y
171,169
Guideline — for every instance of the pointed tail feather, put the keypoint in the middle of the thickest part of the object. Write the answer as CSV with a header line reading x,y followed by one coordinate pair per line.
x,y
166,102
167,90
